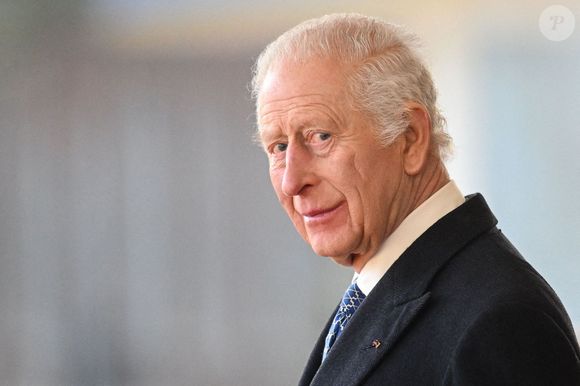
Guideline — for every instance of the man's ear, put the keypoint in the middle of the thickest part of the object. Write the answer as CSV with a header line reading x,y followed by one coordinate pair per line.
x,y
417,138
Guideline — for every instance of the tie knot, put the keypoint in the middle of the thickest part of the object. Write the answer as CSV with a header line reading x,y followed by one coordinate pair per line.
x,y
352,298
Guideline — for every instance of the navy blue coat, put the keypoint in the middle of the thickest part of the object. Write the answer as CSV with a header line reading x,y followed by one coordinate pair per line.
x,y
459,307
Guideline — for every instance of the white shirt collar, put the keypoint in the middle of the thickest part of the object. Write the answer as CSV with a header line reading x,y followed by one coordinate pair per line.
x,y
414,225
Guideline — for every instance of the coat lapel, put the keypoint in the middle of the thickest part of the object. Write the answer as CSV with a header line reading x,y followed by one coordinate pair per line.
x,y
361,346
315,358
396,300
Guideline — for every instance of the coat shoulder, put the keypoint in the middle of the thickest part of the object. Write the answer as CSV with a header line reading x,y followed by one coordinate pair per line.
x,y
517,344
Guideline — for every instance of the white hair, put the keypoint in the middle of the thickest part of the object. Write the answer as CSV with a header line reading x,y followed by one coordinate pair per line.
x,y
386,70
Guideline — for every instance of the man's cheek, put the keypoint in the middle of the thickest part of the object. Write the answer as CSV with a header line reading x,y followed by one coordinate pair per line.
x,y
276,181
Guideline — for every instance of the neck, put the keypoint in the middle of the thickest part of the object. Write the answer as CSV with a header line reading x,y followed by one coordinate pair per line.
x,y
426,184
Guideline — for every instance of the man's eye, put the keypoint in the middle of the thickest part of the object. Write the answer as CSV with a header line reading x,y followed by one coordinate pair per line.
x,y
320,137
280,147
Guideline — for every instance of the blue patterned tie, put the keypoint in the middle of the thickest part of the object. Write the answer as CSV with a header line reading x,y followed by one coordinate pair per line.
x,y
352,298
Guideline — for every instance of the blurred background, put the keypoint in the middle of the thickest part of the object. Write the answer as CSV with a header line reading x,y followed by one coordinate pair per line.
x,y
140,240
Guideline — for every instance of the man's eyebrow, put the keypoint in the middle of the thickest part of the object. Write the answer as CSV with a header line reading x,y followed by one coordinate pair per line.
x,y
267,134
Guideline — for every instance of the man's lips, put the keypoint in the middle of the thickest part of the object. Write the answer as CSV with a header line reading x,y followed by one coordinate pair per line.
x,y
316,215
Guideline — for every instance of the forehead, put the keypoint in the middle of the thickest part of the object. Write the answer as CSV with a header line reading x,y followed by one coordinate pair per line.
x,y
288,81
319,81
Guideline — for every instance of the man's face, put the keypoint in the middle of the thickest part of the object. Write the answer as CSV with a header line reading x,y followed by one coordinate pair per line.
x,y
338,184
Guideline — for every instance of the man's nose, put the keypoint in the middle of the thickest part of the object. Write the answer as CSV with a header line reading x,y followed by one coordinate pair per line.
x,y
298,173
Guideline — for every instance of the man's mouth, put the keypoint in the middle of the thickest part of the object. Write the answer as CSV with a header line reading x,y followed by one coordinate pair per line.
x,y
320,215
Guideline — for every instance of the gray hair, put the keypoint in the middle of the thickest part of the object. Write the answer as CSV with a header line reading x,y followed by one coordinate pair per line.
x,y
387,70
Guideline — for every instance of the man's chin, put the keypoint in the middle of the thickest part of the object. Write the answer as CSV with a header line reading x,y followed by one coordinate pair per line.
x,y
343,260
338,253
347,261
351,260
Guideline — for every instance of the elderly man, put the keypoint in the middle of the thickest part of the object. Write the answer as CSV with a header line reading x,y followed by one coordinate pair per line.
x,y
347,115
